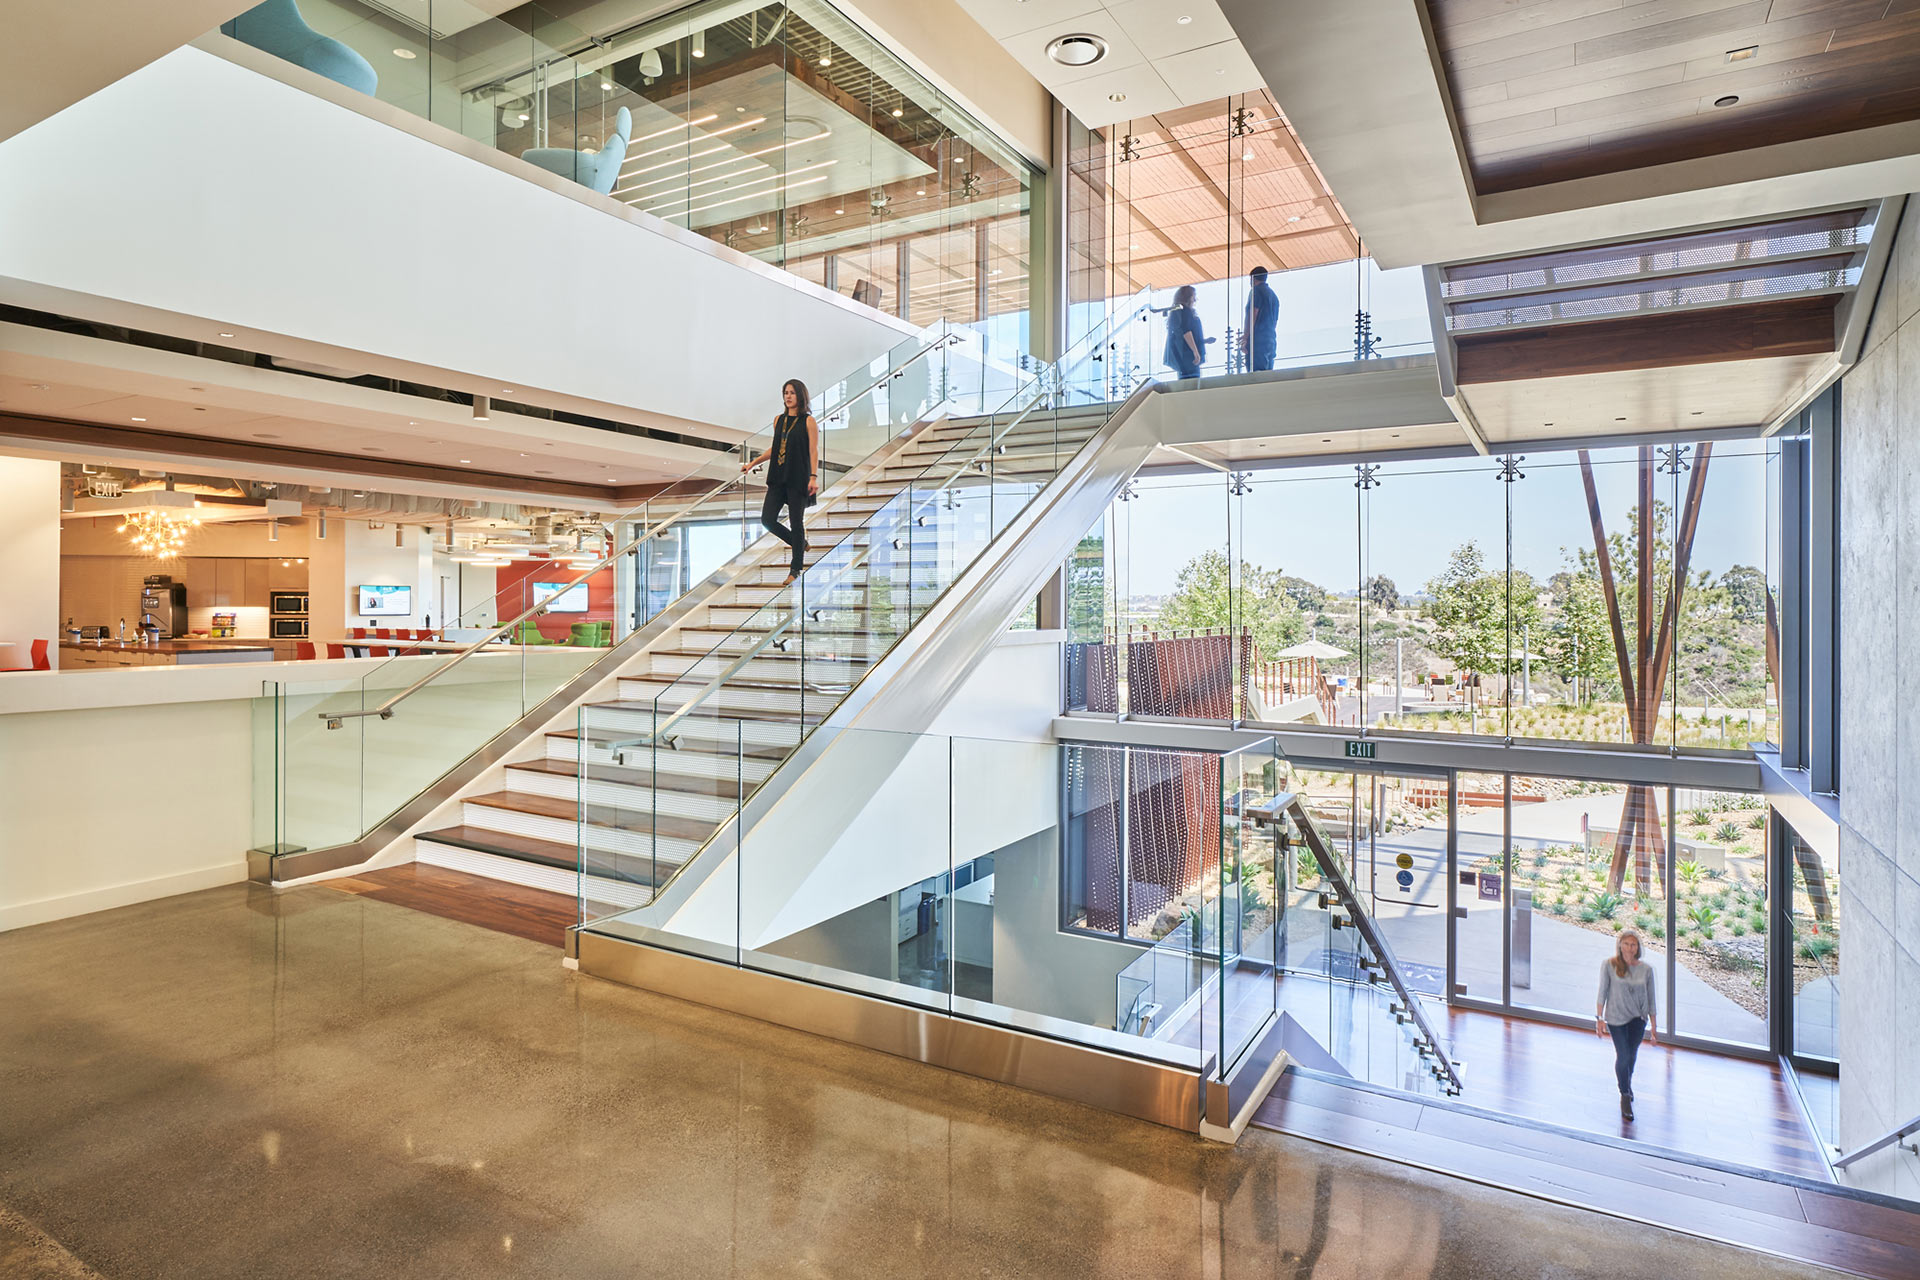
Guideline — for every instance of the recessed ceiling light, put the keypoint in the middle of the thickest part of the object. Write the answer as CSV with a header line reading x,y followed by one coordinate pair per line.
x,y
465,461
506,391
825,61
1132,247
1294,218
1741,55
1077,50
898,112
606,87
1727,101
1219,71
226,335
1184,19
408,54
741,110
41,386
139,419
1116,97
1247,154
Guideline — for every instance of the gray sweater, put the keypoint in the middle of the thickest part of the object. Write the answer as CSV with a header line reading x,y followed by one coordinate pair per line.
x,y
1622,1000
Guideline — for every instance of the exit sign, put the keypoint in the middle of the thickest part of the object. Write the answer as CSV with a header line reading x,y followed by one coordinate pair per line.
x,y
1359,751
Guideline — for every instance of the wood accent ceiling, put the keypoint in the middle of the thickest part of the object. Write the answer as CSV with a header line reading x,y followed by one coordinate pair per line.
x,y
1760,330
1190,206
1562,89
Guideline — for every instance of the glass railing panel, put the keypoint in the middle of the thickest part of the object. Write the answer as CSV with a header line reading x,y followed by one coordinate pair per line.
x,y
321,770
268,718
1248,928
648,802
849,878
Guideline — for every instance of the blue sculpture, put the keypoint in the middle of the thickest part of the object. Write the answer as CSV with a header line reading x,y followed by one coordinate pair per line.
x,y
596,169
277,27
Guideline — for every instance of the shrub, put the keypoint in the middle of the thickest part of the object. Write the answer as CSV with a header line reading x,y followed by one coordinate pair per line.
x,y
1758,921
1643,922
1588,915
1606,904
1539,860
1558,907
1726,833
1817,947
1690,872
1618,926
1658,930
1739,928
1758,822
1700,817
1703,917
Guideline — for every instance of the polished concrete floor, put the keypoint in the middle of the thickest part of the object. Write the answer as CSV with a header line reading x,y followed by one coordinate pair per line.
x,y
239,1083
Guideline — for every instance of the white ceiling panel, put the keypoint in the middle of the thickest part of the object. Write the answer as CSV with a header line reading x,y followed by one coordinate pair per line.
x,y
1213,71
1172,26
1145,94
1003,18
1030,48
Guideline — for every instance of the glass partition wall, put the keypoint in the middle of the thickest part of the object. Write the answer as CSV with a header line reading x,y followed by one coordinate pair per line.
x,y
1496,598
1200,197
780,130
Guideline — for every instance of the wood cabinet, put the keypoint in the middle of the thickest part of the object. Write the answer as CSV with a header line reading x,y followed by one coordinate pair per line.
x,y
197,573
291,576
254,580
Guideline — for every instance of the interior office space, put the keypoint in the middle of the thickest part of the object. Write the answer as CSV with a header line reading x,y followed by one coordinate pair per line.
x,y
1263,743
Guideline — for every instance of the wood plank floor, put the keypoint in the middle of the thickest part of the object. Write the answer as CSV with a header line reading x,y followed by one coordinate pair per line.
x,y
458,895
1815,1223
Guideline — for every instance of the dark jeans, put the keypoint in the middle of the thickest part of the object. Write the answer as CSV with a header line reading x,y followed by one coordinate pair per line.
x,y
795,501
1186,366
1626,1048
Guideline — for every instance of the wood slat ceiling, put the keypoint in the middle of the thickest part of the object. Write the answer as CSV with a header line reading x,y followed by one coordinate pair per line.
x,y
1192,207
1562,89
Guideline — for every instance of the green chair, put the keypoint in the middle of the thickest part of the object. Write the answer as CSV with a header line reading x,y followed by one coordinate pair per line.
x,y
529,633
592,635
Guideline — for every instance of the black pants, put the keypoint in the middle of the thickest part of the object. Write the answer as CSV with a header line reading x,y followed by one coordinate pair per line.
x,y
795,501
1626,1048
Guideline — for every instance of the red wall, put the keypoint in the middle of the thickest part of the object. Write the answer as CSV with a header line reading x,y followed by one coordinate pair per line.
x,y
515,594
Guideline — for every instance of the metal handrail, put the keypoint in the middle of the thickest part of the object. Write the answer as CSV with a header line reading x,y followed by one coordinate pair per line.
x,y
1343,889
335,719
686,708
1880,1143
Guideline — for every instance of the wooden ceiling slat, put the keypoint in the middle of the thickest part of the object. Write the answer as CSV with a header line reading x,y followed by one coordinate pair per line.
x,y
1562,89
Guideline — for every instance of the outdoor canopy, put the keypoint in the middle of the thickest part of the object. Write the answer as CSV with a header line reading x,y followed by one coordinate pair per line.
x,y
1319,650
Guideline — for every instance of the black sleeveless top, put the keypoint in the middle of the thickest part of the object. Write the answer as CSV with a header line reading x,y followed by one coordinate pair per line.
x,y
792,463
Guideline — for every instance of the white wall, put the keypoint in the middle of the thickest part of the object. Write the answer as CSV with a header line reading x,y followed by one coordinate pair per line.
x,y
1880,727
370,556
266,210
30,550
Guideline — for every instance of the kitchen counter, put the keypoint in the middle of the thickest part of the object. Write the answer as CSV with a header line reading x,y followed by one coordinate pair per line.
x,y
79,655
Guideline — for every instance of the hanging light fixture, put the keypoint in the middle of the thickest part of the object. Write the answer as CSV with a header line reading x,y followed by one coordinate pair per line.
x,y
159,534
700,44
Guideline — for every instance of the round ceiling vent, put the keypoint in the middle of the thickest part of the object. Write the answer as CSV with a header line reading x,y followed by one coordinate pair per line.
x,y
1080,50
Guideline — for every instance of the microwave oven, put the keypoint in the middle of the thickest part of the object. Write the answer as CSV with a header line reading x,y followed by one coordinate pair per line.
x,y
287,628
288,602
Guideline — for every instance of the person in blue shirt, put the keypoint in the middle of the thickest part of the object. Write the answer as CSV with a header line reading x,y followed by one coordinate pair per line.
x,y
1259,339
1186,340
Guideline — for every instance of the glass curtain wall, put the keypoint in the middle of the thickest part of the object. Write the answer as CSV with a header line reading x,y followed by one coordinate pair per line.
x,y
780,130
1617,596
1200,197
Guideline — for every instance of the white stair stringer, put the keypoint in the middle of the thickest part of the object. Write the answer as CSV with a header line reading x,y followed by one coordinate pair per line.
x,y
795,870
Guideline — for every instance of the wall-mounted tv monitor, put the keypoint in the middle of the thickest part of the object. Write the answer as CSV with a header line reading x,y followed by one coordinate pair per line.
x,y
572,600
378,600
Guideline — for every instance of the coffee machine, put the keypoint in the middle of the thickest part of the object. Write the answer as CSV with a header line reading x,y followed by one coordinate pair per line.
x,y
163,607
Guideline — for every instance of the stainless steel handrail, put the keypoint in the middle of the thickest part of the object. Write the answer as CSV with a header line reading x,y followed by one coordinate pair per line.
x,y
1343,889
335,719
734,668
1058,384
1880,1143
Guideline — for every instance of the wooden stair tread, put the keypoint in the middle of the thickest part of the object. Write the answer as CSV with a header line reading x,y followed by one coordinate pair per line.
x,y
666,824
718,713
752,751
631,868
722,787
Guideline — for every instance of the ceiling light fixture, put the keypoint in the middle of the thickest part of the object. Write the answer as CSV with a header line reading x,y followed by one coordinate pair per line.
x,y
139,419
650,65
408,54
1728,101
1116,97
524,117
700,44
1741,55
1077,50
1184,19
226,335
1247,155
897,113
466,462
606,86
825,61
480,406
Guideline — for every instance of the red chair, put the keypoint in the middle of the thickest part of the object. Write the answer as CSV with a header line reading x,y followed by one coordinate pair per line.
x,y
336,651
383,633
359,633
40,659
304,651
377,651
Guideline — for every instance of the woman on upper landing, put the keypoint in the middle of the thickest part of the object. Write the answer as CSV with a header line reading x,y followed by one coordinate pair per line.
x,y
793,476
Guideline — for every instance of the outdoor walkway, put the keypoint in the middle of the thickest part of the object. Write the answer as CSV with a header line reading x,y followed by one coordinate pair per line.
x,y
238,1083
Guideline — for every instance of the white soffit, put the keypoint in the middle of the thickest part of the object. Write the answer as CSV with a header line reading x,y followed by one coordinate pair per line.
x,y
1161,54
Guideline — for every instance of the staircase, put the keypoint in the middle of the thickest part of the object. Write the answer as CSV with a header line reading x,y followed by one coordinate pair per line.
x,y
632,789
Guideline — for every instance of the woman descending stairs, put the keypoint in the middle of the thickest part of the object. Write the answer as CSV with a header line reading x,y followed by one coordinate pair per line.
x,y
638,783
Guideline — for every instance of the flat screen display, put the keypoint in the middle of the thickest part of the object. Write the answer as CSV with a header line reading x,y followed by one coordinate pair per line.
x,y
377,600
572,600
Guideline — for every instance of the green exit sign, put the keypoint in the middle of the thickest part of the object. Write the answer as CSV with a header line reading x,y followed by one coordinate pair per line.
x,y
1359,751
